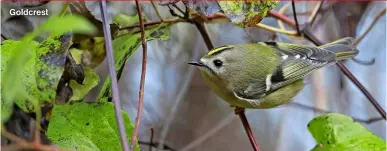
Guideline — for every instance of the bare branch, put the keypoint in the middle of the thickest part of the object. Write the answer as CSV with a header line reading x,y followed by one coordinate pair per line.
x,y
113,77
295,18
306,107
361,37
165,147
23,144
143,72
65,8
156,10
316,10
202,29
151,139
241,112
276,30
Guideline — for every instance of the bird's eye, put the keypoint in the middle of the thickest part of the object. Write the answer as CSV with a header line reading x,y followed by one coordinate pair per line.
x,y
218,63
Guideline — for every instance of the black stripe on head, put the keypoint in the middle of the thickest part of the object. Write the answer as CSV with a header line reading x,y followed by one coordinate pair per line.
x,y
271,43
278,75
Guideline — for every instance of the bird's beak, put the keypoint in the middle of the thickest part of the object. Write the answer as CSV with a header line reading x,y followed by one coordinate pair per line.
x,y
196,63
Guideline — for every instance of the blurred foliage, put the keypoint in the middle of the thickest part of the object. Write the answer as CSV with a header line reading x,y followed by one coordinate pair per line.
x,y
337,132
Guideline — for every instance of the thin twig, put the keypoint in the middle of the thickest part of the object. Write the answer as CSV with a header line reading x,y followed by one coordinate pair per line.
x,y
25,144
215,18
246,125
165,147
113,78
295,18
276,30
151,139
142,81
350,29
306,107
316,10
157,11
342,67
202,29
154,23
361,37
64,9
279,14
179,9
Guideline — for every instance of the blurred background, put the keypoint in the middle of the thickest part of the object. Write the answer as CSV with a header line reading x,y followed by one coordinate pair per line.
x,y
181,112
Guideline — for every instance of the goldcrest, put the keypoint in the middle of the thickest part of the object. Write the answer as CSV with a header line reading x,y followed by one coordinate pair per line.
x,y
267,74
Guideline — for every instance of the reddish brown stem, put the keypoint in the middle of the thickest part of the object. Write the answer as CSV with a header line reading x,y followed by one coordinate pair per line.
x,y
202,29
312,38
142,82
246,125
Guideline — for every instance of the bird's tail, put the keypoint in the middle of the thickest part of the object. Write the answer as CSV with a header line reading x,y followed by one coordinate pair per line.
x,y
343,48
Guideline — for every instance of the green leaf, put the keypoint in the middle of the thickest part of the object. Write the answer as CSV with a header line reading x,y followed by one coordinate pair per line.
x,y
87,127
28,66
93,51
338,132
80,90
125,46
50,62
245,14
77,55
125,20
59,25
17,75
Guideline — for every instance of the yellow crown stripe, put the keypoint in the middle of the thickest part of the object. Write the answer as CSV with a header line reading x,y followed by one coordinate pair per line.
x,y
218,50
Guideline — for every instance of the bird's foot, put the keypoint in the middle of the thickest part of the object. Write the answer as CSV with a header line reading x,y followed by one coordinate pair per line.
x,y
237,109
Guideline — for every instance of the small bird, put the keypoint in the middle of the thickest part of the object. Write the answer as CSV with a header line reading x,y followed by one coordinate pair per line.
x,y
267,74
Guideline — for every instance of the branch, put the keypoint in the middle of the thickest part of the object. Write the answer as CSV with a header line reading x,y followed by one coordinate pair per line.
x,y
156,10
361,37
316,10
306,107
277,30
23,144
295,18
151,139
202,29
113,77
143,72
306,32
241,112
217,17
64,9
165,147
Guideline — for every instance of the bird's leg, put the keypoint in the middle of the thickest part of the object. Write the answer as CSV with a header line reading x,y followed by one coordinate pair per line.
x,y
238,110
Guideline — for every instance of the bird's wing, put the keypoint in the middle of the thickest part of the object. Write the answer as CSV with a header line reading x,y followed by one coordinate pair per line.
x,y
297,62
